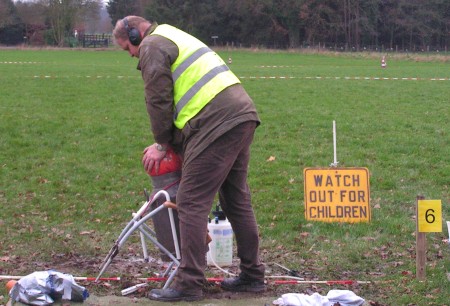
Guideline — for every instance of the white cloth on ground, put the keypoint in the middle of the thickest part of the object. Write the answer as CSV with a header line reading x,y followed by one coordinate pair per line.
x,y
343,297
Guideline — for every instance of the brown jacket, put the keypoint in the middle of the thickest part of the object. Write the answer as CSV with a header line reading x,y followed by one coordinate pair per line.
x,y
228,109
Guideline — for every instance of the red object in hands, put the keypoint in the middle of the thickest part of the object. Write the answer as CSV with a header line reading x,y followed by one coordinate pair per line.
x,y
170,163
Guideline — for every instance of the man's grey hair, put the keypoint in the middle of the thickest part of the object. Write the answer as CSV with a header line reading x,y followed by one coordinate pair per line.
x,y
120,32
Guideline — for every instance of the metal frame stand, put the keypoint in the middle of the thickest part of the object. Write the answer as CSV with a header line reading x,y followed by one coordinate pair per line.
x,y
138,223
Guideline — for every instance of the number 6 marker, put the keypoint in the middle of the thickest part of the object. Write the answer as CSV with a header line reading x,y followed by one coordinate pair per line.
x,y
429,216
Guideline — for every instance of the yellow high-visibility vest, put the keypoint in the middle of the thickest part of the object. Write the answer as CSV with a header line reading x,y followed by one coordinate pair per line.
x,y
198,74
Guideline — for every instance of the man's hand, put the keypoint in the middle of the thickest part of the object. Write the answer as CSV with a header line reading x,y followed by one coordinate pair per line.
x,y
152,157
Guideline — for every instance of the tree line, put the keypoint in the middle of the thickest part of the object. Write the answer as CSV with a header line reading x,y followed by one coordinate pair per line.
x,y
413,25
46,22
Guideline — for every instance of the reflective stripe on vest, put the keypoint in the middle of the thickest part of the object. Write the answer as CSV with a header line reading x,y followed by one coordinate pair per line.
x,y
198,74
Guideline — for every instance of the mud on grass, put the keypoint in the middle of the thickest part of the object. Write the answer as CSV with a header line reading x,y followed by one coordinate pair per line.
x,y
130,266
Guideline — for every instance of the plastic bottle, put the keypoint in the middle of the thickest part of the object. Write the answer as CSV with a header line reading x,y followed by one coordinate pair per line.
x,y
221,246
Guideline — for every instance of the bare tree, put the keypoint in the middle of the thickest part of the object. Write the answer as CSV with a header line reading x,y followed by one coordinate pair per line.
x,y
32,15
89,15
63,15
6,18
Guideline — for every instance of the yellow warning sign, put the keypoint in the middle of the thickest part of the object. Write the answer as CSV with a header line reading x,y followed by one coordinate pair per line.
x,y
429,218
337,194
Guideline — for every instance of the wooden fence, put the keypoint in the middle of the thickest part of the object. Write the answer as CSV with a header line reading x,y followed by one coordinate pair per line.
x,y
95,40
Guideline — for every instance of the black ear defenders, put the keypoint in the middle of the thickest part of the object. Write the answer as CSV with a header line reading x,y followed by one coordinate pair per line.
x,y
133,34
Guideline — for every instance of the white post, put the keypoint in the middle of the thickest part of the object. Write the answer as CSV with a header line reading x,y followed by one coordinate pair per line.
x,y
335,162
448,226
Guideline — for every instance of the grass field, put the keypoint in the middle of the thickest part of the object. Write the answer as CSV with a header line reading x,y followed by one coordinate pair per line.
x,y
73,125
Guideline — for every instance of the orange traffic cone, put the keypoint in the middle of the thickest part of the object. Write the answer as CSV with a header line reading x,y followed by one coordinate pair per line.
x,y
383,62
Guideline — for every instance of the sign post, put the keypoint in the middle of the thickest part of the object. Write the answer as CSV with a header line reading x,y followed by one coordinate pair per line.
x,y
214,37
428,219
421,246
337,194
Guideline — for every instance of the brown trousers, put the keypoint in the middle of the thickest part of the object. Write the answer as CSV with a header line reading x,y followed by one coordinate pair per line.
x,y
222,167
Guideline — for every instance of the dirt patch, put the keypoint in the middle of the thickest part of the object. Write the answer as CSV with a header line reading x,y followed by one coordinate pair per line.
x,y
128,267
